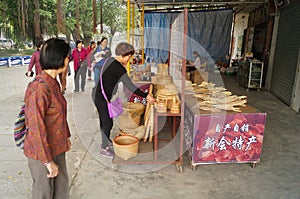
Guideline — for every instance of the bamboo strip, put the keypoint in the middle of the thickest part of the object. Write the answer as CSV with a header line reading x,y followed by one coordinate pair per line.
x,y
148,105
151,123
147,127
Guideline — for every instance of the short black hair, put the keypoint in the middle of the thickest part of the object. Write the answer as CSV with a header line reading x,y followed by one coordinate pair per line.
x,y
53,54
39,44
124,49
78,42
103,38
196,53
92,42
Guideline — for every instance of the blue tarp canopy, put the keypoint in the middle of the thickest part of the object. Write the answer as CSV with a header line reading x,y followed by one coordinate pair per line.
x,y
209,33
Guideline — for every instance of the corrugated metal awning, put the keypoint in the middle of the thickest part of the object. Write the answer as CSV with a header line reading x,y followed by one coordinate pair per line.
x,y
241,6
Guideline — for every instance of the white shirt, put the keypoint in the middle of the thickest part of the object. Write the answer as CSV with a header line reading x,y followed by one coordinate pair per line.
x,y
197,63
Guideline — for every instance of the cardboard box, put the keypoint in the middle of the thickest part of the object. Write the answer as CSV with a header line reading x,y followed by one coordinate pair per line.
x,y
198,77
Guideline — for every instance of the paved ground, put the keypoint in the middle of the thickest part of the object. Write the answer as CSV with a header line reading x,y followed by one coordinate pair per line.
x,y
92,177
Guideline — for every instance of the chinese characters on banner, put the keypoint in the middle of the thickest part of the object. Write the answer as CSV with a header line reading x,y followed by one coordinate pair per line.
x,y
135,98
229,138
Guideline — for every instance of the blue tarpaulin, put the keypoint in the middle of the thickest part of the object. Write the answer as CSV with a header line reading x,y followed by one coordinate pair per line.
x,y
209,33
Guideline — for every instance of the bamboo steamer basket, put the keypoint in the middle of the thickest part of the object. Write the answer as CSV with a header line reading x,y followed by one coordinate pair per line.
x,y
126,146
175,108
161,81
162,69
169,95
159,87
131,117
161,104
161,107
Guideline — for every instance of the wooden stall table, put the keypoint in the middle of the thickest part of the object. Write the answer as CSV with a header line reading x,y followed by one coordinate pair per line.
x,y
156,139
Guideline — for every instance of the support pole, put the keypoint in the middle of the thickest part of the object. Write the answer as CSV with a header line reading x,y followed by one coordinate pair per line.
x,y
128,32
142,33
132,23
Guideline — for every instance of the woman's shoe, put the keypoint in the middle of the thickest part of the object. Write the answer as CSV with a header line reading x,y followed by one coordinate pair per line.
x,y
107,152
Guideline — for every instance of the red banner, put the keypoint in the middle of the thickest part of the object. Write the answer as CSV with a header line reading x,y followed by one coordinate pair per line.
x,y
135,98
229,138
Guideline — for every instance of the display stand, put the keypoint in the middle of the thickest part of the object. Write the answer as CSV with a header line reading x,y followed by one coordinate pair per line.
x,y
226,137
250,75
177,69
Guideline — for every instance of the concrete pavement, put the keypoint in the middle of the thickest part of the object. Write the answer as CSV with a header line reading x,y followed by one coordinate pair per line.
x,y
91,176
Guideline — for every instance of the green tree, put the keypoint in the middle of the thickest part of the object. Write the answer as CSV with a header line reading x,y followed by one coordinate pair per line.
x,y
34,19
115,15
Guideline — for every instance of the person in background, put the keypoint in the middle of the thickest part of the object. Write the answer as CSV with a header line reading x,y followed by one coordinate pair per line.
x,y
90,51
103,51
63,75
197,62
81,61
114,71
47,138
35,61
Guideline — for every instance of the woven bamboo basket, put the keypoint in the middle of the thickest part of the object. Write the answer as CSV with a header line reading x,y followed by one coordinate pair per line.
x,y
162,69
138,132
131,116
126,146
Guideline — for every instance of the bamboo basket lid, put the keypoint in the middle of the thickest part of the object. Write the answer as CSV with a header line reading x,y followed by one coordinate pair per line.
x,y
166,92
134,107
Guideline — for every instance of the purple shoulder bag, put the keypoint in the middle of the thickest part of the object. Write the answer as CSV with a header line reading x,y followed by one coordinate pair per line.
x,y
115,108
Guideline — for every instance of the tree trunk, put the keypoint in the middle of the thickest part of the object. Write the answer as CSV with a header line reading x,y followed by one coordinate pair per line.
x,y
37,26
94,17
61,25
101,16
26,17
112,32
19,15
23,19
77,20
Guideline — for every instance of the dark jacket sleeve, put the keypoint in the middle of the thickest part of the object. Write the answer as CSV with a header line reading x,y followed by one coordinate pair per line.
x,y
129,85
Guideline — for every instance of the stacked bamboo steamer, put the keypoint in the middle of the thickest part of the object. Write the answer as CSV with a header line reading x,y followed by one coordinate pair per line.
x,y
216,99
166,91
167,99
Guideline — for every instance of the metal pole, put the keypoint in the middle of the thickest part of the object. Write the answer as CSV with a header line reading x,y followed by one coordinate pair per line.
x,y
132,23
128,32
128,21
142,33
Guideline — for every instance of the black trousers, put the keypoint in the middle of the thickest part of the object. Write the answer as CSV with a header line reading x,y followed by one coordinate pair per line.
x,y
106,123
80,73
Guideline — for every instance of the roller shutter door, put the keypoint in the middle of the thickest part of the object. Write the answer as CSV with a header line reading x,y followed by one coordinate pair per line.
x,y
286,53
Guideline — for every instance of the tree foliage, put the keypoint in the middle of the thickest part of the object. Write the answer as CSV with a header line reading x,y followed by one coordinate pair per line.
x,y
32,20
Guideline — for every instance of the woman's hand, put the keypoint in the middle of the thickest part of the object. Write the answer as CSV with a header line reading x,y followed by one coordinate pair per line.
x,y
150,99
28,74
52,169
69,144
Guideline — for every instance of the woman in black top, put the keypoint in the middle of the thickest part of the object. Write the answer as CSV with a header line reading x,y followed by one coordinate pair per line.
x,y
114,72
